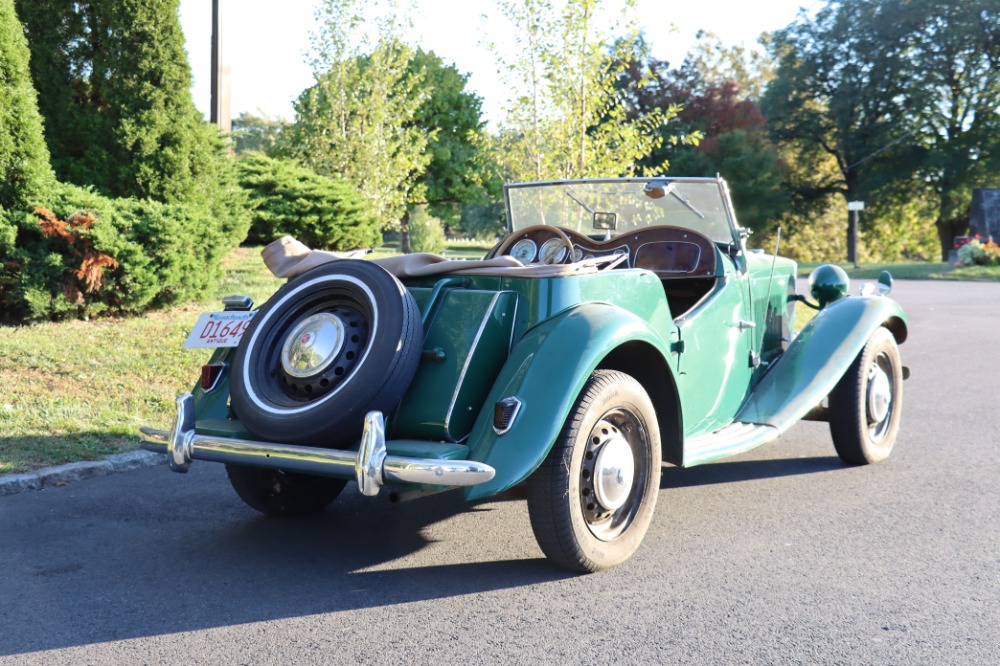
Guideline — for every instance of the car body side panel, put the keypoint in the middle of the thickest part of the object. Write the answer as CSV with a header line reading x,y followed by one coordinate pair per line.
x,y
713,370
465,345
546,371
817,358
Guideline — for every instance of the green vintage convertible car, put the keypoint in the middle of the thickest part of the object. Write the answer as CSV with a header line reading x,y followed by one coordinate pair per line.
x,y
622,324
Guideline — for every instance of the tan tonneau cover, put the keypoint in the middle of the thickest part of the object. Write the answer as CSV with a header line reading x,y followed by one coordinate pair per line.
x,y
287,257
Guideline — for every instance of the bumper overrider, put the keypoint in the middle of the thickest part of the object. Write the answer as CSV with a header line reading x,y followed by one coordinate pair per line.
x,y
370,464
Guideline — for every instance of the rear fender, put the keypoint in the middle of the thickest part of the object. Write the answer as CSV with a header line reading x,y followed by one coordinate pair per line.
x,y
818,357
546,372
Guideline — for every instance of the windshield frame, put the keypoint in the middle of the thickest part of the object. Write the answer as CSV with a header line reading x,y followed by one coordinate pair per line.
x,y
733,237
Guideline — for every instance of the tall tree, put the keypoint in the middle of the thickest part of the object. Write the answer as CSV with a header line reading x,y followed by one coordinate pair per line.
x,y
260,134
114,88
749,69
24,158
722,127
357,120
566,119
840,85
955,104
452,116
894,91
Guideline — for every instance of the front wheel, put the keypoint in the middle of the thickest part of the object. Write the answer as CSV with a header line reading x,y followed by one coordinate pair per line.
x,y
277,493
867,403
592,499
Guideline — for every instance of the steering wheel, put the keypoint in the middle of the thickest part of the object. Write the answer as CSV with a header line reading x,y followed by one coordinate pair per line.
x,y
537,229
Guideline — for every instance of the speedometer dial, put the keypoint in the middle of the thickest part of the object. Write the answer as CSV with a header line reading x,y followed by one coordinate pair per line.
x,y
553,251
524,250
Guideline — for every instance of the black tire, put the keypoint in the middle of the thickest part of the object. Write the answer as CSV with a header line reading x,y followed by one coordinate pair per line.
x,y
278,493
867,403
362,355
571,522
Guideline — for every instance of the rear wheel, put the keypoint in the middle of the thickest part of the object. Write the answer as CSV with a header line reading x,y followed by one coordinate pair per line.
x,y
274,492
867,403
593,497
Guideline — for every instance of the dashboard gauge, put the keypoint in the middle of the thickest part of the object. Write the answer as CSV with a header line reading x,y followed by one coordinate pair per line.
x,y
577,254
524,250
553,251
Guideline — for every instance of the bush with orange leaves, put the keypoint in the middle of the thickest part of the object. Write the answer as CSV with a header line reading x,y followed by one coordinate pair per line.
x,y
92,262
84,254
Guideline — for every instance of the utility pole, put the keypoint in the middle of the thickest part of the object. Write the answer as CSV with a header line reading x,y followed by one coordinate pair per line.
x,y
220,113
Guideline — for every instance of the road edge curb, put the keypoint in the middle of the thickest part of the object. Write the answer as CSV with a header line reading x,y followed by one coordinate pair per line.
x,y
60,475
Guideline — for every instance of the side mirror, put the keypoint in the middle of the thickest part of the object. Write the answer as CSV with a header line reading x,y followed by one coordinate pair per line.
x,y
884,283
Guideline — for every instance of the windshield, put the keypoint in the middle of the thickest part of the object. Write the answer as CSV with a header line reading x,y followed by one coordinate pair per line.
x,y
611,208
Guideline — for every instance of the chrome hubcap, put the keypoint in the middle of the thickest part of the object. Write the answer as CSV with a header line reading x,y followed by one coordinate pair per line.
x,y
879,394
312,345
613,473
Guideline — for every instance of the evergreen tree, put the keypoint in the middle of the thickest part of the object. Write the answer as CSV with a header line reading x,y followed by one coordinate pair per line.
x,y
114,89
24,159
288,199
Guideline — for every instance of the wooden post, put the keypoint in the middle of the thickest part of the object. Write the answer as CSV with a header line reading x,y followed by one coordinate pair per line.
x,y
853,211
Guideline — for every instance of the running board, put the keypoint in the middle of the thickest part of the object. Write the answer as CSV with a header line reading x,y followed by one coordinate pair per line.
x,y
734,438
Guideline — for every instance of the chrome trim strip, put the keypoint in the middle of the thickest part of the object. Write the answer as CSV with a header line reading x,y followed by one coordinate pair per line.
x,y
468,360
370,465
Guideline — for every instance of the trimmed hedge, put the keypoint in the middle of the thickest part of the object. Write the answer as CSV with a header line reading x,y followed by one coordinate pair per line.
x,y
84,254
291,200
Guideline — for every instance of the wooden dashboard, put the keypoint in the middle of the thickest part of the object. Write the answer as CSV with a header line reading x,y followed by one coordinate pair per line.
x,y
670,252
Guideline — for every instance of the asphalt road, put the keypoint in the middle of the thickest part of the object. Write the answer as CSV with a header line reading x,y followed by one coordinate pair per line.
x,y
782,555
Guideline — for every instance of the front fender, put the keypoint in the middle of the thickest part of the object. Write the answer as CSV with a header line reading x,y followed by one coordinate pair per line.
x,y
546,371
818,357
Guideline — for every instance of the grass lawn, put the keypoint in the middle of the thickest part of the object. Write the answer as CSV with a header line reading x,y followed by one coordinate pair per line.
x,y
915,271
79,390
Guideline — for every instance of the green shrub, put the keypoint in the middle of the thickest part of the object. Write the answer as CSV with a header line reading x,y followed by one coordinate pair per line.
x,y
288,199
426,232
83,254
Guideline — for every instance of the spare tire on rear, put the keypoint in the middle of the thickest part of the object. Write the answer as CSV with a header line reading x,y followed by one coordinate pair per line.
x,y
331,344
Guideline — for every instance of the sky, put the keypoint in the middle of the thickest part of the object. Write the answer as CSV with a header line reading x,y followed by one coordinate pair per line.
x,y
267,43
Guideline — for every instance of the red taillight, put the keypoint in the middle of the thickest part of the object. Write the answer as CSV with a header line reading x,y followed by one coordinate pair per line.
x,y
210,375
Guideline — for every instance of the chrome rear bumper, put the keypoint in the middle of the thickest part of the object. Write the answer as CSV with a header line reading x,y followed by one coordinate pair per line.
x,y
370,465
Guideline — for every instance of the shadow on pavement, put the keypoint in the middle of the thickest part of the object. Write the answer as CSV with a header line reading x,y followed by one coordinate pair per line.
x,y
150,553
746,470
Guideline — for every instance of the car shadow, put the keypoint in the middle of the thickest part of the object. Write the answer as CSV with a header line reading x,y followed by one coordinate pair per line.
x,y
172,553
746,470
149,553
